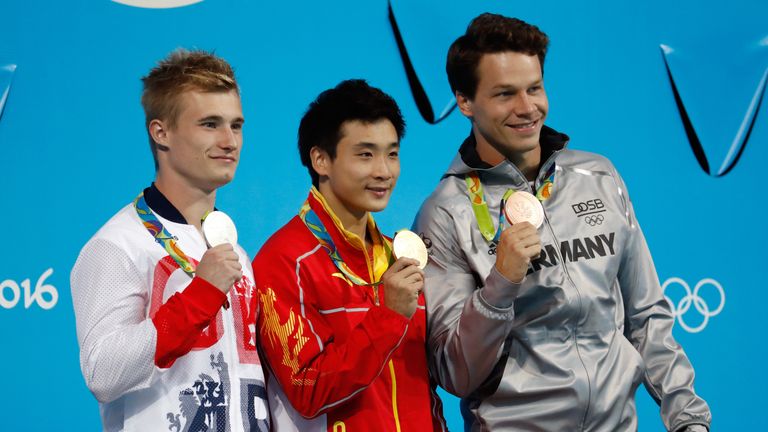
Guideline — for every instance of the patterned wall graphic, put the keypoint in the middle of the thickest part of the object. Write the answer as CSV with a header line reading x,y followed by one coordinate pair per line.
x,y
742,135
420,97
6,75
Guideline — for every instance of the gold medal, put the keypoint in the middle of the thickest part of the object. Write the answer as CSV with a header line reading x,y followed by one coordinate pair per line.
x,y
408,244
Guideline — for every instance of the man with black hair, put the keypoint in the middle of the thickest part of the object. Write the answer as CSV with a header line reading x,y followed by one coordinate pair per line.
x,y
551,323
342,325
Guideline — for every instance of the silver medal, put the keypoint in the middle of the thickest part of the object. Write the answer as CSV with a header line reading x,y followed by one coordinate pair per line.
x,y
218,228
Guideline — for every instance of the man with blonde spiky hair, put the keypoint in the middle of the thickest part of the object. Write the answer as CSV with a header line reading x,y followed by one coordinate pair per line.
x,y
162,310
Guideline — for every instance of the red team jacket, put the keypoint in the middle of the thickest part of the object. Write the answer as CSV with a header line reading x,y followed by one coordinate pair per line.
x,y
339,360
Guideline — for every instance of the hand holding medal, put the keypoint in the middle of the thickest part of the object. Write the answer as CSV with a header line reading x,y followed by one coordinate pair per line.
x,y
404,280
220,265
520,243
517,245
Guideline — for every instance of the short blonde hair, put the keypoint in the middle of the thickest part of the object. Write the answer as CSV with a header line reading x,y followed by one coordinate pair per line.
x,y
180,72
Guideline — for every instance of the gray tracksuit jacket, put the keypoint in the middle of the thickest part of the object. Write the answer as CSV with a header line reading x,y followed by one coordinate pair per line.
x,y
566,348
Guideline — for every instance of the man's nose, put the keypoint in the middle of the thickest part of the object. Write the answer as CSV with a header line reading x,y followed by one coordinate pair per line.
x,y
381,167
524,104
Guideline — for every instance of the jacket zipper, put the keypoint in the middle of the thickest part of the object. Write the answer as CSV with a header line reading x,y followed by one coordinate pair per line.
x,y
578,295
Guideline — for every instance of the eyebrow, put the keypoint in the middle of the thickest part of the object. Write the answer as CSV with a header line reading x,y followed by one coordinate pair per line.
x,y
219,119
374,146
513,87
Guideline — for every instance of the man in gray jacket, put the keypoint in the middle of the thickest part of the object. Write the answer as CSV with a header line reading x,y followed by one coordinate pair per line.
x,y
541,328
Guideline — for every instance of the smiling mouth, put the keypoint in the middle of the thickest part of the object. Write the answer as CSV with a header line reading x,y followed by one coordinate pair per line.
x,y
224,158
379,191
525,127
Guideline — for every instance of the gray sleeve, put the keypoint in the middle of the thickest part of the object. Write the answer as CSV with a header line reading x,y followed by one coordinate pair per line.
x,y
669,374
117,340
466,324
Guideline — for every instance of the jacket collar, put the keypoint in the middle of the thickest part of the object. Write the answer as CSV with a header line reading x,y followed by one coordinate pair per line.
x,y
160,205
369,264
468,160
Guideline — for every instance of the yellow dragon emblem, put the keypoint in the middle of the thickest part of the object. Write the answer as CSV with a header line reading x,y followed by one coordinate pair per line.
x,y
292,329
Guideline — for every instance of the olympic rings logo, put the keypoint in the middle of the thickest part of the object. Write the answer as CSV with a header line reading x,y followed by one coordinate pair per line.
x,y
693,298
596,219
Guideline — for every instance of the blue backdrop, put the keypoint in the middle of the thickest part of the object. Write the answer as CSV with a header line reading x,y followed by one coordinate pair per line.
x,y
670,91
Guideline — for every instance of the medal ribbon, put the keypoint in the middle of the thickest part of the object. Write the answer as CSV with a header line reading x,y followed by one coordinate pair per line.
x,y
316,227
480,206
162,236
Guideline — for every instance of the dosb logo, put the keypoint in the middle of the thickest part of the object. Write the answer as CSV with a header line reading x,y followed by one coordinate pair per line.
x,y
594,205
45,295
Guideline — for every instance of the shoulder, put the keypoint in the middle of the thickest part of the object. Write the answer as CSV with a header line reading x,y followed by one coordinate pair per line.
x,y
124,231
585,160
449,198
591,164
288,243
118,244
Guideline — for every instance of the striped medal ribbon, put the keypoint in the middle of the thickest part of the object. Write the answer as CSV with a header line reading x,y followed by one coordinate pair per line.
x,y
162,236
480,207
316,227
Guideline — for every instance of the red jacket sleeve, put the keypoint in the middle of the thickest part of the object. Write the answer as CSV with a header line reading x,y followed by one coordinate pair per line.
x,y
181,319
314,369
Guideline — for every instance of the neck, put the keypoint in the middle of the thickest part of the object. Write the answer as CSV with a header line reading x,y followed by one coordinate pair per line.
x,y
355,222
191,202
527,162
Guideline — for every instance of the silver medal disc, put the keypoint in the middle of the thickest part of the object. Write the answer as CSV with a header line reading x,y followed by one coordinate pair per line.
x,y
524,207
408,244
218,228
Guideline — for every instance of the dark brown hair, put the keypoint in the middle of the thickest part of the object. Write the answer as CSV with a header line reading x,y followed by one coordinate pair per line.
x,y
490,34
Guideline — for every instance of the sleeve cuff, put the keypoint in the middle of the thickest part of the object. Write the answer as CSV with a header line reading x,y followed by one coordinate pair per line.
x,y
203,298
694,426
498,292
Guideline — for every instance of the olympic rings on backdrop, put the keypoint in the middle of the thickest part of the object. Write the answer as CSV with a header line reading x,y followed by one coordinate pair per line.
x,y
693,298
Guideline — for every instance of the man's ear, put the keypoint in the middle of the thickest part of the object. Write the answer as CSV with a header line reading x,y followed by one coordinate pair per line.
x,y
158,130
464,104
320,161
